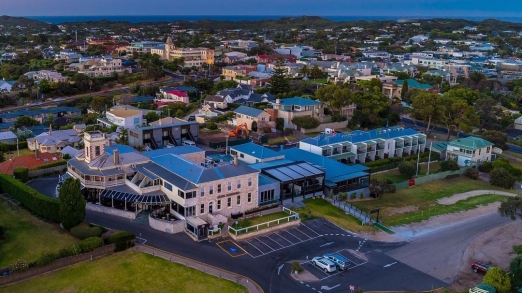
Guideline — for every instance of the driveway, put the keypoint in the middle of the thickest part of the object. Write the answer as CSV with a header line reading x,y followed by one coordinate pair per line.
x,y
45,185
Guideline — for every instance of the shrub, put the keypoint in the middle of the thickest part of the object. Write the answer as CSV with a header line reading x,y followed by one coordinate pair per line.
x,y
75,249
408,168
90,244
502,178
122,239
449,165
306,122
296,267
472,174
212,126
36,202
21,173
19,266
486,167
499,279
280,123
65,252
45,259
83,231
50,165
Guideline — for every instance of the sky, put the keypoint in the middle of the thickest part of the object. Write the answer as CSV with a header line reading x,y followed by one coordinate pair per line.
x,y
401,8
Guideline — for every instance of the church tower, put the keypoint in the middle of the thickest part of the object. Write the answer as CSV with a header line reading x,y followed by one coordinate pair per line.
x,y
169,47
94,145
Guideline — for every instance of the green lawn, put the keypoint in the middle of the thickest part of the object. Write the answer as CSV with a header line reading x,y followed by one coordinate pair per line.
x,y
23,152
513,154
395,176
258,220
128,271
279,140
320,208
27,237
424,199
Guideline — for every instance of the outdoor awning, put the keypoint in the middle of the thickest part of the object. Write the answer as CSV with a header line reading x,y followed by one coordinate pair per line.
x,y
324,147
195,221
379,140
336,145
349,176
371,142
360,144
398,139
155,199
342,156
346,143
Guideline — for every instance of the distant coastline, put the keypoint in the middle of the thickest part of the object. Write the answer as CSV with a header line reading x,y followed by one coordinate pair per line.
x,y
170,18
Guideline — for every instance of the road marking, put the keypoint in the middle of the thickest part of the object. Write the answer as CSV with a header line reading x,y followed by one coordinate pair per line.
x,y
236,245
303,233
265,244
390,264
279,270
262,253
283,237
310,229
301,240
329,288
326,244
274,241
144,240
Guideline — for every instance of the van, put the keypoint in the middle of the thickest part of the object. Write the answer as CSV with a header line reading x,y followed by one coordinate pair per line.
x,y
189,142
323,263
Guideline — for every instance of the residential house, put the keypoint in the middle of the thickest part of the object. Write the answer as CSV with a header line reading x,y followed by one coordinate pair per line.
x,y
168,95
8,137
294,107
469,150
105,67
393,90
126,118
53,141
158,136
234,94
51,76
217,102
6,86
233,72
247,115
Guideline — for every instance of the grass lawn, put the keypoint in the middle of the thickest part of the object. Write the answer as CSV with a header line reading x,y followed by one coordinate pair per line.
x,y
279,140
320,208
395,176
23,152
128,271
258,220
420,202
513,154
27,237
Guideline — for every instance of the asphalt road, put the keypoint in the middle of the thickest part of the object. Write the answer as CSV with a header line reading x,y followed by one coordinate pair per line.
x,y
440,252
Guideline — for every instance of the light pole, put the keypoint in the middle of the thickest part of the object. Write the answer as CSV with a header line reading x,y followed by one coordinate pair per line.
x,y
226,144
418,158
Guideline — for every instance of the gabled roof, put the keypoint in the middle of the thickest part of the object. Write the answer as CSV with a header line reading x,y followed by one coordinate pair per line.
x,y
470,142
298,101
252,112
7,135
412,83
214,98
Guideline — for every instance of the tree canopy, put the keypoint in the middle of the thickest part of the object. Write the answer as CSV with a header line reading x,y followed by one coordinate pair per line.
x,y
427,106
72,203
512,208
335,96
25,121
279,82
499,279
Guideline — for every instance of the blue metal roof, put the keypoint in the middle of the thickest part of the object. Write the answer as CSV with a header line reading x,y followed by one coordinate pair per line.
x,y
255,150
259,166
360,136
121,148
335,171
178,150
299,101
141,99
265,180
252,112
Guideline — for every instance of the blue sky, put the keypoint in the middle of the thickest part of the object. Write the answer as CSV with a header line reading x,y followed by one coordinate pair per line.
x,y
460,8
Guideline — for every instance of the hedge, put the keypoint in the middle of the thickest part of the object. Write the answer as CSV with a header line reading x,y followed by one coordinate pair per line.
x,y
391,163
50,165
33,200
21,145
21,173
122,239
90,244
84,231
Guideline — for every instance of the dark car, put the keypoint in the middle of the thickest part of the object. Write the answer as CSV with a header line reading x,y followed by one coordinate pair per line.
x,y
192,118
480,267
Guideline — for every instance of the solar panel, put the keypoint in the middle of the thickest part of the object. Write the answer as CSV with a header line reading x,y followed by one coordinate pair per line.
x,y
310,168
301,170
288,172
276,174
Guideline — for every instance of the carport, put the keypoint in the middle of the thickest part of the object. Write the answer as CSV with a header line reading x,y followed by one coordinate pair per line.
x,y
296,178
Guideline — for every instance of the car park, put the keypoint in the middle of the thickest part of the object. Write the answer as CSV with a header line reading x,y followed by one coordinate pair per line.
x,y
480,267
325,264
341,262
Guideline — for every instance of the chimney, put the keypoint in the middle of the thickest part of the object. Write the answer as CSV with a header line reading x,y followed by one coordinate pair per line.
x,y
116,154
110,143
50,129
235,160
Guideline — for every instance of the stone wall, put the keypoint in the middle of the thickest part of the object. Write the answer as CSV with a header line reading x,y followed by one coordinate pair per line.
x,y
171,227
265,231
111,211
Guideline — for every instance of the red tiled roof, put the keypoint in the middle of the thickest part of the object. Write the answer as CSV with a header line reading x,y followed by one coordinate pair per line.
x,y
177,93
28,161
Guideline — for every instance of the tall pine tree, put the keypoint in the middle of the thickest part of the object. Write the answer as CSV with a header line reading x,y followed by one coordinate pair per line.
x,y
404,89
72,203
279,82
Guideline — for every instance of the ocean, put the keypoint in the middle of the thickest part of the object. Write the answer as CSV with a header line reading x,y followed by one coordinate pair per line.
x,y
170,18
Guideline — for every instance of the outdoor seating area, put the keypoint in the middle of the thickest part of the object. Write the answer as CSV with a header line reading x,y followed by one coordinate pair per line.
x,y
163,214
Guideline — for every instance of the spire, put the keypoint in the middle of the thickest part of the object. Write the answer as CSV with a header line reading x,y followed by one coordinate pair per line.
x,y
169,41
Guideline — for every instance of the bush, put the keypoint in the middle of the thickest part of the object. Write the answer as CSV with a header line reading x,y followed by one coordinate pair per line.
x,y
502,178
65,252
50,165
123,240
21,173
45,259
472,174
83,231
486,167
499,279
296,267
449,165
75,249
212,126
36,202
19,266
280,123
408,168
90,244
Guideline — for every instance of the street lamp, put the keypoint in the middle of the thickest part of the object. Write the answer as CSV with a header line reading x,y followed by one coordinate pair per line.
x,y
226,144
429,157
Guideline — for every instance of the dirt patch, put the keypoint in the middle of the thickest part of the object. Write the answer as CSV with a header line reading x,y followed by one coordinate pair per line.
x,y
462,196
491,247
305,276
402,210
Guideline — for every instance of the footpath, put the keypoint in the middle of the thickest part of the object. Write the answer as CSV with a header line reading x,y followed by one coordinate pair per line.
x,y
251,286
465,195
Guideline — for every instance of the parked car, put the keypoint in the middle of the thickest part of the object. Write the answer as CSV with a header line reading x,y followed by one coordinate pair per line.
x,y
323,263
480,267
341,263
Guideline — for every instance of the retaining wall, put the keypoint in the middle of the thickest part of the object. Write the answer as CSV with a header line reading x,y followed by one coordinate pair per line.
x,y
110,211
170,227
265,230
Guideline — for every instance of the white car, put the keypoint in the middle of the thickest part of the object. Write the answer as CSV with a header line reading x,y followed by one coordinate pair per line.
x,y
327,265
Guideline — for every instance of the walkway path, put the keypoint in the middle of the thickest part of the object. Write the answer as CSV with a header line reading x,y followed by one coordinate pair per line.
x,y
461,196
208,269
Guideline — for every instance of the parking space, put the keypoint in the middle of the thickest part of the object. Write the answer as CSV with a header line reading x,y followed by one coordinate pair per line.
x,y
353,262
268,243
231,248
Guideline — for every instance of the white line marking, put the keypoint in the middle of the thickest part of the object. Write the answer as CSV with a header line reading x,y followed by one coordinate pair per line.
x,y
283,237
344,270
267,236
294,236
326,244
265,244
390,264
311,229
303,233
262,253
279,270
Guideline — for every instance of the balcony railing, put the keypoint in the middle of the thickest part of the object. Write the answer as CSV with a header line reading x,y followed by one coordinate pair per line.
x,y
361,151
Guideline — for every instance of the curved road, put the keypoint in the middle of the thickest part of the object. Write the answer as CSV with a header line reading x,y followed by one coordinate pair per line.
x,y
439,253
